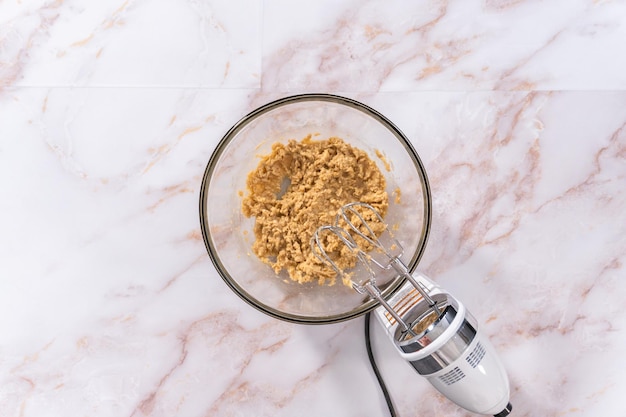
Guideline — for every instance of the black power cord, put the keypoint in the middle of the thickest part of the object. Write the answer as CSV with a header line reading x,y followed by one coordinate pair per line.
x,y
370,356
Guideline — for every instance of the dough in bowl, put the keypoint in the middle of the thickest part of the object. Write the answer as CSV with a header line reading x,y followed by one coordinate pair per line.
x,y
299,187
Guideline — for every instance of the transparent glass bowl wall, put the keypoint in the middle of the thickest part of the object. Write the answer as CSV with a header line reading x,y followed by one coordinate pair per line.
x,y
229,235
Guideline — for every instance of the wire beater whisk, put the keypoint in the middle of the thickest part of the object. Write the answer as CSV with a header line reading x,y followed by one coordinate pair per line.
x,y
353,215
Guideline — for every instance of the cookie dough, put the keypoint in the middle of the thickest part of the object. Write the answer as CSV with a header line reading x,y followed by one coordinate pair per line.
x,y
299,187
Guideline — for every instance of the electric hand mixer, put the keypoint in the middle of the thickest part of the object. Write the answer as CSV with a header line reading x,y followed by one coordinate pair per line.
x,y
429,327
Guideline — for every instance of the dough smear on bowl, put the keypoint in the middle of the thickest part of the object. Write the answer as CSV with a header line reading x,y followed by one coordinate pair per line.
x,y
299,187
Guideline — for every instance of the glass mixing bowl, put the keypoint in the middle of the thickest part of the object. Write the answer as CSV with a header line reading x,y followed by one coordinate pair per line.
x,y
228,234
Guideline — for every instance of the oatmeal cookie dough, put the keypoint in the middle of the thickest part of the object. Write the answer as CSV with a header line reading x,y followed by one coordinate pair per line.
x,y
299,187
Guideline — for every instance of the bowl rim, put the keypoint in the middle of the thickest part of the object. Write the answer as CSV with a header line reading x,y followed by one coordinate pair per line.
x,y
230,135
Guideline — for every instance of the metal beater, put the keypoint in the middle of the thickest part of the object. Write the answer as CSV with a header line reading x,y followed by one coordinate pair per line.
x,y
392,251
431,329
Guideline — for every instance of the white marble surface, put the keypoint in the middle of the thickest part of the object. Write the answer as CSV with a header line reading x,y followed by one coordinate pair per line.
x,y
109,111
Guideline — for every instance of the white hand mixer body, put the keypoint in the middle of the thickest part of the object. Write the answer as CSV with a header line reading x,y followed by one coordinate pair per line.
x,y
430,328
451,352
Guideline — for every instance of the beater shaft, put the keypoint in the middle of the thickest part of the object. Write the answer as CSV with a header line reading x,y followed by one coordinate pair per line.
x,y
374,292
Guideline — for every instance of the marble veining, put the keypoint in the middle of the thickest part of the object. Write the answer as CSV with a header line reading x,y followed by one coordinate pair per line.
x,y
109,111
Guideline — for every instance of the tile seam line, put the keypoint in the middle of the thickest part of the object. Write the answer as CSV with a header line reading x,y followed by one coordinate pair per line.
x,y
260,89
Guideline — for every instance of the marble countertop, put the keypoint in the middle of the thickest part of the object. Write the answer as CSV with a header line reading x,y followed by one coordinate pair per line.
x,y
109,111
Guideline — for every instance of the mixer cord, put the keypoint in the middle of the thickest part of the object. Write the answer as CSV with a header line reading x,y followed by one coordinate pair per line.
x,y
379,377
